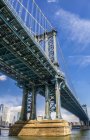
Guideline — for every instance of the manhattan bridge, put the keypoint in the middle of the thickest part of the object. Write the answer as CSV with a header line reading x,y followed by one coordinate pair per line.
x,y
28,54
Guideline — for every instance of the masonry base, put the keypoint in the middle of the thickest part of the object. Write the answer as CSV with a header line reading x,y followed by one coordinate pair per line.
x,y
40,128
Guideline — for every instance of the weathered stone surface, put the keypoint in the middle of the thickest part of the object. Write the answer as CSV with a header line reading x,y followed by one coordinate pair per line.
x,y
40,128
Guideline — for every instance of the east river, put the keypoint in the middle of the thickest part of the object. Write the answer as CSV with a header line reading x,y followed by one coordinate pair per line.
x,y
76,135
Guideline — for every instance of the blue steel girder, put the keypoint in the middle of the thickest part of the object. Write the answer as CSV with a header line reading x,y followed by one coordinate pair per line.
x,y
12,73
10,59
25,63
24,70
24,48
41,67
29,33
13,66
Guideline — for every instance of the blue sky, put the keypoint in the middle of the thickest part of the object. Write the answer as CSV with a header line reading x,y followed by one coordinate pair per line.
x,y
71,18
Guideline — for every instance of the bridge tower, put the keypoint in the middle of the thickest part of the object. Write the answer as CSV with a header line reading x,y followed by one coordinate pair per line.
x,y
51,53
86,123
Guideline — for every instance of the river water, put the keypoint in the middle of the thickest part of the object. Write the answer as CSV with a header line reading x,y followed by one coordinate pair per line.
x,y
76,135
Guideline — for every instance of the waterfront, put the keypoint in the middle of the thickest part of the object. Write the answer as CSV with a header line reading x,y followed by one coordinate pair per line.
x,y
76,135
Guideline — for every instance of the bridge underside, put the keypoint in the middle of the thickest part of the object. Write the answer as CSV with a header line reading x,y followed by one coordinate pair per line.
x,y
20,53
22,59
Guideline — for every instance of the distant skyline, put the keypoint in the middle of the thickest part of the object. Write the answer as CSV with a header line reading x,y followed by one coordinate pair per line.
x,y
71,18
9,114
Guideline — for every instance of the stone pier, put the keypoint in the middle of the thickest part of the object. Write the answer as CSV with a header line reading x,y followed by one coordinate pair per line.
x,y
40,128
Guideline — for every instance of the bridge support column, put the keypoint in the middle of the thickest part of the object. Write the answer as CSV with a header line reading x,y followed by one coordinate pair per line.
x,y
58,100
33,109
46,45
23,115
55,47
47,103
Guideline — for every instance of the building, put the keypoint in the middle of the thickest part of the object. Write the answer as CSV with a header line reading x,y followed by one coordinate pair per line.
x,y
9,115
14,114
3,115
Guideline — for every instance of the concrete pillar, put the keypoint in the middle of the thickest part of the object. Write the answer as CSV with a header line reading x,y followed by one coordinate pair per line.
x,y
58,100
47,103
33,110
23,115
46,45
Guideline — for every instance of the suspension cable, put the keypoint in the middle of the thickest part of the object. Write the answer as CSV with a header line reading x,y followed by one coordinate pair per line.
x,y
65,68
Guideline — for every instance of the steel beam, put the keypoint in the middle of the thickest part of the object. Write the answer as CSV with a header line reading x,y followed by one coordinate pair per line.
x,y
46,45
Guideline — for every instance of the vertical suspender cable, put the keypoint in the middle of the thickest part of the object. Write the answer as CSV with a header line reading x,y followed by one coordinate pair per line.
x,y
32,15
12,2
20,9
26,14
16,4
36,22
39,25
43,15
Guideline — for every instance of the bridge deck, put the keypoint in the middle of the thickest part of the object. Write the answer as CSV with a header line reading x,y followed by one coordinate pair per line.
x,y
19,51
70,103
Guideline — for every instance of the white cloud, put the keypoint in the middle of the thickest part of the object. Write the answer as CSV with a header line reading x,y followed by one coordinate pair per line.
x,y
76,28
65,115
16,109
3,78
51,1
13,114
10,100
80,60
68,116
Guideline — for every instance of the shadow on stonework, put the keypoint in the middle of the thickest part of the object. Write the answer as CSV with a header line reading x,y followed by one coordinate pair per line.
x,y
44,138
51,128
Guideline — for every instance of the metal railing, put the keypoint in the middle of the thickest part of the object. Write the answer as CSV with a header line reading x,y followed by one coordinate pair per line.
x,y
32,19
30,15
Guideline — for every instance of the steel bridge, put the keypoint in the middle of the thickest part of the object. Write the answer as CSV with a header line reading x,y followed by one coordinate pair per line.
x,y
28,54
